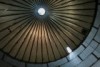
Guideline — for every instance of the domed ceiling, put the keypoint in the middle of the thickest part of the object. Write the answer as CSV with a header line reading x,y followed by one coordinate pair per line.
x,y
31,34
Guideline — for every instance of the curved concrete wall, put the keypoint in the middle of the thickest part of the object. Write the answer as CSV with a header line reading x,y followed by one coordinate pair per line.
x,y
87,55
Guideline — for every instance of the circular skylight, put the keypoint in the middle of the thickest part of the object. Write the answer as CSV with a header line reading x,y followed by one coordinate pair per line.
x,y
41,11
